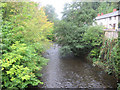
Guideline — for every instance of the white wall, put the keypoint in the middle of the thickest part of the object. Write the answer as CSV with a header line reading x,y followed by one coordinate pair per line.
x,y
109,23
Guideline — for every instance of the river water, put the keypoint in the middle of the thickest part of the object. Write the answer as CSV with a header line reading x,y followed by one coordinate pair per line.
x,y
73,72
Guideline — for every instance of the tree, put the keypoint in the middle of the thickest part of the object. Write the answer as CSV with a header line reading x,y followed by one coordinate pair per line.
x,y
79,13
107,7
24,38
50,13
76,19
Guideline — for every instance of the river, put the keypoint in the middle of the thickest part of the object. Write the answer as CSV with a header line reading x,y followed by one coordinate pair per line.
x,y
73,72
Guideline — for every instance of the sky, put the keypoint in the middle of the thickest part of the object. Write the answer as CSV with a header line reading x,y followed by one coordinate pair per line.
x,y
57,4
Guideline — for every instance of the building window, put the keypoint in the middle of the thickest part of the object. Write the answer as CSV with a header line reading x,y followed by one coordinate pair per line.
x,y
114,26
110,26
115,17
110,18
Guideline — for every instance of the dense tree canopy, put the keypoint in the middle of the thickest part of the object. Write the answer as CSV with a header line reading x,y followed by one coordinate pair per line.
x,y
79,13
77,17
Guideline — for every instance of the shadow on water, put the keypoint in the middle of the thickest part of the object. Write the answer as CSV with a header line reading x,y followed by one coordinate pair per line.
x,y
73,72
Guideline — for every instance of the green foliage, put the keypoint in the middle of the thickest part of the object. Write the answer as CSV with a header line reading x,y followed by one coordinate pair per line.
x,y
108,56
24,38
19,66
79,13
79,40
70,37
94,53
50,13
51,37
76,34
94,36
119,25
52,17
0,42
29,24
118,88
73,32
106,7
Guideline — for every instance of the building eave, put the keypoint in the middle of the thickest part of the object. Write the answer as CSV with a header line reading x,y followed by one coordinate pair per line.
x,y
116,13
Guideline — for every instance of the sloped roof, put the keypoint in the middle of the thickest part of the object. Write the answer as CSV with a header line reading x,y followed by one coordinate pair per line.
x,y
116,13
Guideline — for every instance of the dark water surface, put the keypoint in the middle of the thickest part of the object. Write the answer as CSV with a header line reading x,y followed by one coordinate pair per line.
x,y
71,72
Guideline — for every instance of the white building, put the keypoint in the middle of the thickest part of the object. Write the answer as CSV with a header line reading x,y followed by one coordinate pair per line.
x,y
109,21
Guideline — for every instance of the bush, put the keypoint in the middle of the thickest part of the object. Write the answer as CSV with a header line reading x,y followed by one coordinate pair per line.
x,y
24,33
70,37
108,56
94,36
19,66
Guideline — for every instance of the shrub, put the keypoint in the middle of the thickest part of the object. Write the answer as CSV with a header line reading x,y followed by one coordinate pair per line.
x,y
24,33
94,36
19,66
106,55
70,37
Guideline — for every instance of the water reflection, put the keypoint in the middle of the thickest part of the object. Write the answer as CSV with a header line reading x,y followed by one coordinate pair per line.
x,y
73,72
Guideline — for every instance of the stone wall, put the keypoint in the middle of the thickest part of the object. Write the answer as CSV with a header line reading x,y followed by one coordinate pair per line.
x,y
111,34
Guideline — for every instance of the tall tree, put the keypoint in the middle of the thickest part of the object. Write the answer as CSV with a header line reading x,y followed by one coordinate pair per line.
x,y
50,12
76,17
